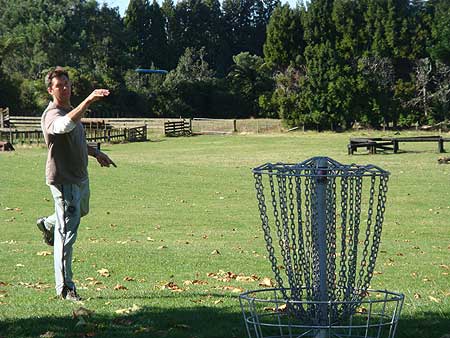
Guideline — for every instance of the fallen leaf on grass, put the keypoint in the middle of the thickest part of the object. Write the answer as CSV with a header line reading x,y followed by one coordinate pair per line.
x,y
128,279
9,242
80,312
3,284
215,252
48,334
150,239
120,287
37,285
195,282
43,253
361,309
12,209
20,265
128,310
171,286
433,299
218,301
251,278
104,272
417,296
93,281
266,282
281,308
162,247
222,275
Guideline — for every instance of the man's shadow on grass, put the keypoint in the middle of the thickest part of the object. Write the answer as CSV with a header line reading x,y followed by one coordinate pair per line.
x,y
193,322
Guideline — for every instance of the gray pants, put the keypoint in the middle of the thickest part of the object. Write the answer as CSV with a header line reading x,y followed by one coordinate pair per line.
x,y
71,203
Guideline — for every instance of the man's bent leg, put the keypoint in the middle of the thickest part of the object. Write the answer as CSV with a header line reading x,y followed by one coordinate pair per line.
x,y
67,211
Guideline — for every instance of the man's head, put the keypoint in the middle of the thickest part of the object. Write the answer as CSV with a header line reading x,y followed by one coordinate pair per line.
x,y
59,86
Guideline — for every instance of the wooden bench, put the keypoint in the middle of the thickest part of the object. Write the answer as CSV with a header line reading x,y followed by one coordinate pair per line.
x,y
371,144
392,143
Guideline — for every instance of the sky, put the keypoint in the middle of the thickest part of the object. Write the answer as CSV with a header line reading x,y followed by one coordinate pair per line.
x,y
123,4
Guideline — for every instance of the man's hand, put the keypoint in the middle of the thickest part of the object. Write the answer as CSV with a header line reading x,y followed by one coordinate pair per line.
x,y
77,113
96,95
104,160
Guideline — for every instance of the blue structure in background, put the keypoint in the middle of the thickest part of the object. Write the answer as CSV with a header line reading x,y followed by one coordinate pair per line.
x,y
150,71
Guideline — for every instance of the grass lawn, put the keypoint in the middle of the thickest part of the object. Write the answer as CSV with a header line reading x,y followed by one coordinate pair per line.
x,y
178,214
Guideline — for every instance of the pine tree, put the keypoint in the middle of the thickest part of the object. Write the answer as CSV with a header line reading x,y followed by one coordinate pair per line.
x,y
158,39
284,43
137,24
441,32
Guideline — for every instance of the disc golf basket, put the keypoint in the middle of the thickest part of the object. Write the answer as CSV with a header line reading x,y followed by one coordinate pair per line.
x,y
322,224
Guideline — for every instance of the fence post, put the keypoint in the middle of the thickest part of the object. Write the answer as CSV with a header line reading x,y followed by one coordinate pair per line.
x,y
441,145
234,126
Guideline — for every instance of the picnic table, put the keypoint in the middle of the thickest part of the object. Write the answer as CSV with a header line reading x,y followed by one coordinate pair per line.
x,y
372,144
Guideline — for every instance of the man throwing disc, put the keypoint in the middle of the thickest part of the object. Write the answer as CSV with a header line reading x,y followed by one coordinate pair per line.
x,y
66,174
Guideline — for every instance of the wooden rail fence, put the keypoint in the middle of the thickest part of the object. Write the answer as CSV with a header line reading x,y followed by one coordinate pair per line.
x,y
4,118
136,134
178,128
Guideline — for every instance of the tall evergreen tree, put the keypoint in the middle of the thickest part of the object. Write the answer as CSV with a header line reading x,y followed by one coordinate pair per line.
x,y
441,32
137,24
284,43
158,39
170,27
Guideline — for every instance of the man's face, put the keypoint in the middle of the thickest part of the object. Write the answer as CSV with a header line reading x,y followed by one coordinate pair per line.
x,y
60,89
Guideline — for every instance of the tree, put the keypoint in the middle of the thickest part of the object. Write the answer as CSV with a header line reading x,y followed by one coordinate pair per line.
x,y
249,79
185,89
284,43
158,53
441,32
137,24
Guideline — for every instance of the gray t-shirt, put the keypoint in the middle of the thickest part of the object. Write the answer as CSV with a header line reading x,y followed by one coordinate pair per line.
x,y
67,158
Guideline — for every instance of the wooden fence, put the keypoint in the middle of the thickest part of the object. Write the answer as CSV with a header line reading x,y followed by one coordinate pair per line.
x,y
136,134
4,117
156,125
178,128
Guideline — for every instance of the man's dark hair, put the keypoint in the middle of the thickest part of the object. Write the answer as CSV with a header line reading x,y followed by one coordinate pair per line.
x,y
57,72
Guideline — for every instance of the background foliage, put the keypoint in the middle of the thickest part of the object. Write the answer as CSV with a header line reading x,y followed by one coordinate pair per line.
x,y
324,65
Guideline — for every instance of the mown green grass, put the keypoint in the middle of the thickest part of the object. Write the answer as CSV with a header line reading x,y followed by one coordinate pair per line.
x,y
195,196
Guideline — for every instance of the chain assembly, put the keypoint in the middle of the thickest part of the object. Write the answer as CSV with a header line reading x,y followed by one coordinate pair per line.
x,y
322,222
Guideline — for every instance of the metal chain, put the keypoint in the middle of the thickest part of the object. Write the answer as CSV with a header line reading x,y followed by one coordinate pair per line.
x,y
308,248
297,282
301,244
343,268
382,190
266,229
363,264
294,200
283,230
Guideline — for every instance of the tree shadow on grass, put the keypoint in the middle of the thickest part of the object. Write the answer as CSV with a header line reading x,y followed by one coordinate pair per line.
x,y
424,325
194,322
